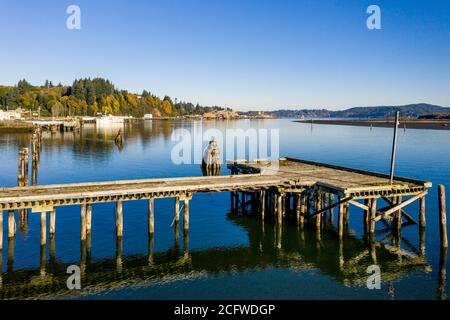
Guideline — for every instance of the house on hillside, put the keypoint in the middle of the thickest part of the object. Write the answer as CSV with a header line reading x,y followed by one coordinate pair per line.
x,y
11,114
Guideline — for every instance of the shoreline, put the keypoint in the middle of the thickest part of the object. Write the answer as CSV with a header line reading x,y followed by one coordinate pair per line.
x,y
408,124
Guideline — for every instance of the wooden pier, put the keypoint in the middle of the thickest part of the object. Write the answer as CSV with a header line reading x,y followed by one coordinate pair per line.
x,y
288,189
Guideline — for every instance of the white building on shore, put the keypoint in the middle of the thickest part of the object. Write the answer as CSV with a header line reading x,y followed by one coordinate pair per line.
x,y
11,114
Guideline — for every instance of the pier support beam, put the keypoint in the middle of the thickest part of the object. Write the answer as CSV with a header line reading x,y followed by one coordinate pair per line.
x,y
83,222
151,216
1,232
373,213
88,218
422,218
119,219
43,228
341,220
186,215
52,222
11,224
262,203
442,216
177,210
279,202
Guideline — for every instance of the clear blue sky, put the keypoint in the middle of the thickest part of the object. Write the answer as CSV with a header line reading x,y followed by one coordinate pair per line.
x,y
239,53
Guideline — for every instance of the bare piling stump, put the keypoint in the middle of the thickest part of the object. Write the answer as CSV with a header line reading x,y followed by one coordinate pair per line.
x,y
11,224
43,228
442,216
151,215
52,222
119,219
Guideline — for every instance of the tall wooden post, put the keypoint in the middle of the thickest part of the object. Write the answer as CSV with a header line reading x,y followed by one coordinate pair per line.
x,y
442,216
43,228
330,203
394,146
177,210
52,222
151,216
236,201
151,243
11,224
186,215
119,219
83,222
88,218
422,218
398,218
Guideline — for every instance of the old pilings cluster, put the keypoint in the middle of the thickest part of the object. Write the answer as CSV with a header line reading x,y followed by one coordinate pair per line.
x,y
211,159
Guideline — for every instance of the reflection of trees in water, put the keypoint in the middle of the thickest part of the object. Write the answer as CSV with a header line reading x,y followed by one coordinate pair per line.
x,y
270,246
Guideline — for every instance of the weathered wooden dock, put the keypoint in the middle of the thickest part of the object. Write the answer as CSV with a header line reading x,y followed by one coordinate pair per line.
x,y
291,189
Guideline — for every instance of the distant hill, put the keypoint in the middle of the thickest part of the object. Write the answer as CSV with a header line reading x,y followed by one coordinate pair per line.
x,y
410,110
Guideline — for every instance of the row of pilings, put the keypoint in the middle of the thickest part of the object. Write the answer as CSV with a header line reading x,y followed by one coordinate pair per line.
x,y
23,173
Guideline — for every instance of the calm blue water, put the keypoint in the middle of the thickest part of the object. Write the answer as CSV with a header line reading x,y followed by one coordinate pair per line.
x,y
229,256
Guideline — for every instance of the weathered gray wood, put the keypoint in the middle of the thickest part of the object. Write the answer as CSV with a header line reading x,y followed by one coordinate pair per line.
x,y
394,146
151,215
119,219
400,206
442,216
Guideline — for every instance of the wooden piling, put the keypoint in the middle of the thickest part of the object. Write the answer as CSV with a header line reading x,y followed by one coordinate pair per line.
x,y
341,219
1,231
52,222
83,222
119,219
442,216
177,210
262,204
43,228
279,202
151,216
88,218
422,218
186,215
373,214
11,224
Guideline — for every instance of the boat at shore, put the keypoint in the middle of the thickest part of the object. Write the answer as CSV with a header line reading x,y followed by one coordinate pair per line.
x,y
110,120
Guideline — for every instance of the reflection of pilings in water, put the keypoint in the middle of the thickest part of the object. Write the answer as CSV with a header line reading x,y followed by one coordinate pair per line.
x,y
151,244
83,256
421,242
42,260
10,263
442,279
119,261
186,245
1,268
